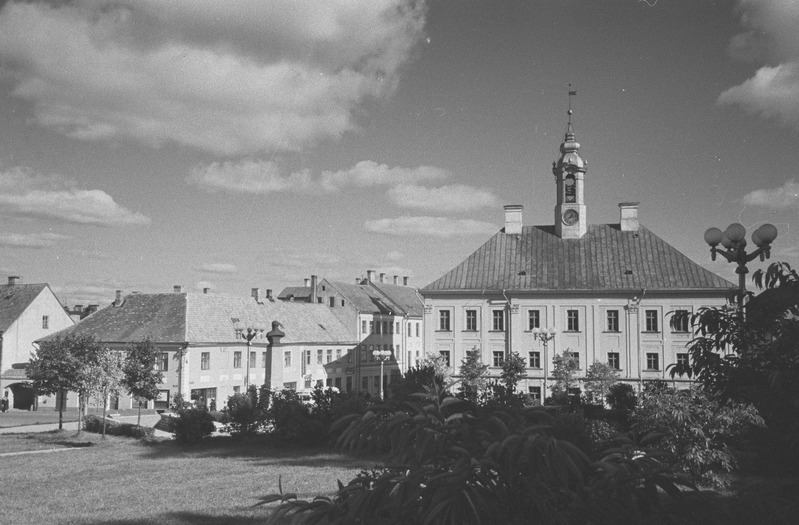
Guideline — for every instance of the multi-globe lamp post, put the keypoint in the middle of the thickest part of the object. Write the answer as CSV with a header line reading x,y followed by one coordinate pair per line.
x,y
545,335
733,249
248,332
382,356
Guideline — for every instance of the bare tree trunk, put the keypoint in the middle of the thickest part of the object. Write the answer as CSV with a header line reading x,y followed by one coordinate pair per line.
x,y
105,407
138,421
61,411
80,411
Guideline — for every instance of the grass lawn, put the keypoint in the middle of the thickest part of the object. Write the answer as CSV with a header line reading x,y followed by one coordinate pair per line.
x,y
124,481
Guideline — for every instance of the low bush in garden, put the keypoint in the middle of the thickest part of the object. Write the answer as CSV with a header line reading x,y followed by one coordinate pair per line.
x,y
193,424
94,424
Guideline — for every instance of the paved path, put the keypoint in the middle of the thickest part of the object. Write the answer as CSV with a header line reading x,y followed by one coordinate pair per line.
x,y
44,451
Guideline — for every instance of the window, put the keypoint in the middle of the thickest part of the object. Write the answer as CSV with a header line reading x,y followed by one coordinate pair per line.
x,y
363,354
417,329
308,382
397,328
679,323
377,327
533,319
349,383
498,320
471,320
444,320
499,358
652,361
613,360
319,356
45,322
363,327
263,359
252,360
338,354
307,357
365,383
651,320
205,361
377,382
287,359
572,320
445,355
371,327
163,362
613,321
329,355
332,301
535,359
682,361
576,357
409,329
535,394
342,302
236,359
371,352
385,327
338,383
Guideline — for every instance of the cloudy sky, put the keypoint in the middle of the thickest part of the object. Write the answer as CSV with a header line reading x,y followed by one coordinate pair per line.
x,y
241,144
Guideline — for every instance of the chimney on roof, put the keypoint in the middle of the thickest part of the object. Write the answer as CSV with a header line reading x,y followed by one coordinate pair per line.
x,y
256,294
14,279
78,307
307,282
513,219
396,280
118,299
370,276
382,277
269,294
177,288
313,289
206,290
405,281
628,220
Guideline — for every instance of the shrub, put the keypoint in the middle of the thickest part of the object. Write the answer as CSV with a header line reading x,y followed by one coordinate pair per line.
x,y
291,420
621,397
243,413
193,424
94,424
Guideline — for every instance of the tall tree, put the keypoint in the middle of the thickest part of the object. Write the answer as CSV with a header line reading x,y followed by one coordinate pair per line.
x,y
564,370
55,367
142,374
598,380
104,378
513,370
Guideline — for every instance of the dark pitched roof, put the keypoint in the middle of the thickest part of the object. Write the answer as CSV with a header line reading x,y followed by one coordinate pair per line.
x,y
406,297
297,292
605,259
14,299
365,298
207,318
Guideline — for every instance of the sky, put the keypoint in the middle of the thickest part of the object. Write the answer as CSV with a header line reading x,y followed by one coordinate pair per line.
x,y
241,144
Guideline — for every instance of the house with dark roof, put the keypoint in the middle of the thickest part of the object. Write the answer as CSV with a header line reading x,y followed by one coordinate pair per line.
x,y
604,292
215,345
27,312
384,316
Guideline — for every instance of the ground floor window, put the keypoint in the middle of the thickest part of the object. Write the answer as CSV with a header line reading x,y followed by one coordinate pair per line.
x,y
535,394
349,384
338,383
499,357
204,397
162,401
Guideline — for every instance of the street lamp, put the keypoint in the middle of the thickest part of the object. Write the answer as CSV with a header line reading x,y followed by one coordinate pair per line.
x,y
545,335
382,356
248,332
734,249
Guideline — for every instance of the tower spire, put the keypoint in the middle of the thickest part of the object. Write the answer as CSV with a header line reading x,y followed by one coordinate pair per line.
x,y
569,170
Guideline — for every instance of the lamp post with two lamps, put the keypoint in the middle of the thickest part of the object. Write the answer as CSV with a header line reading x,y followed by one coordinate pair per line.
x,y
248,332
545,335
733,249
382,356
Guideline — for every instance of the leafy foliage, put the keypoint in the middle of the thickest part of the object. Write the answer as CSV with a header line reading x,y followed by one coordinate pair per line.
x,y
564,371
448,465
244,412
473,376
193,424
621,397
696,429
598,381
142,376
103,378
513,370
427,373
92,423
291,421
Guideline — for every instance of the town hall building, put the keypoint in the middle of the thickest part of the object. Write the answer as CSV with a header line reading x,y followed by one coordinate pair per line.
x,y
604,292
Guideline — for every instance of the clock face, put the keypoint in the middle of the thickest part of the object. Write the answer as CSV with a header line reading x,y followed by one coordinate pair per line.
x,y
570,217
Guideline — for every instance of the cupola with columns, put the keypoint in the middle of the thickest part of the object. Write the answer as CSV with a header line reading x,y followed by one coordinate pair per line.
x,y
569,170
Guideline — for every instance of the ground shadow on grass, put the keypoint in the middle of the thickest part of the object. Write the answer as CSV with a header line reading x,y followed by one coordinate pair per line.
x,y
181,518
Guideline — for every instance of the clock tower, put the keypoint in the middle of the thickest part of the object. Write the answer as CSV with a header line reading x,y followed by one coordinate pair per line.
x,y
569,171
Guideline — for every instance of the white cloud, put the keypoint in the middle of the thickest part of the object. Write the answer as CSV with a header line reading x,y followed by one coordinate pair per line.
x,y
217,268
226,77
453,198
30,240
430,227
23,194
368,173
786,196
262,177
770,35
